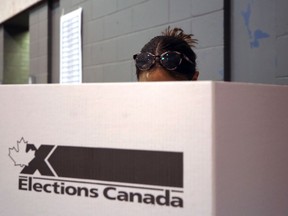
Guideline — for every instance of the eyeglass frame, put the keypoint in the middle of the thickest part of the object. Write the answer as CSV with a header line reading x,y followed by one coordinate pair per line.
x,y
159,59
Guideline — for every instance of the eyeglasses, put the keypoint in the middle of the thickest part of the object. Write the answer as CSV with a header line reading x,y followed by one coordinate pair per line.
x,y
169,60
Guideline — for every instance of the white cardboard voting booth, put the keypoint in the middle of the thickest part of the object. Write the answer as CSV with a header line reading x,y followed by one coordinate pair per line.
x,y
186,148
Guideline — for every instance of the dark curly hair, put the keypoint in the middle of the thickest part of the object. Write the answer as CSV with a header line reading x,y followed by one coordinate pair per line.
x,y
174,40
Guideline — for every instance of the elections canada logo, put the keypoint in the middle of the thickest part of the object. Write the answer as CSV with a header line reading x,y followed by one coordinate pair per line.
x,y
125,175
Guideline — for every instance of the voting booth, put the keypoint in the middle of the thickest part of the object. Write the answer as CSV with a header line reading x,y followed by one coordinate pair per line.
x,y
171,148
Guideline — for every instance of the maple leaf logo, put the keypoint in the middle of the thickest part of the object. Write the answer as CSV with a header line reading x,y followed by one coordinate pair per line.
x,y
23,153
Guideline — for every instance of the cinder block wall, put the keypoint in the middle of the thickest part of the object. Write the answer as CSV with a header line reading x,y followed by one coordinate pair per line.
x,y
114,30
260,41
1,54
38,28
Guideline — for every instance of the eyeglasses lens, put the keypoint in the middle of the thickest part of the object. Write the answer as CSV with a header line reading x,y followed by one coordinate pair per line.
x,y
144,61
170,60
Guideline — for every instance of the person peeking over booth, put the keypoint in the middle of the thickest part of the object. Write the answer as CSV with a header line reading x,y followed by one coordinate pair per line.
x,y
168,57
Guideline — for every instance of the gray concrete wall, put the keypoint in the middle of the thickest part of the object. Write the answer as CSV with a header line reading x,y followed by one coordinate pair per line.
x,y
55,43
260,41
1,54
114,30
38,28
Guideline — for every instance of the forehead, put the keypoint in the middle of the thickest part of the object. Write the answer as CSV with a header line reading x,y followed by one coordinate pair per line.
x,y
158,73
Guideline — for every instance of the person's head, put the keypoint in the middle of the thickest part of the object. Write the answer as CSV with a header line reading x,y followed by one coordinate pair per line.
x,y
168,57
